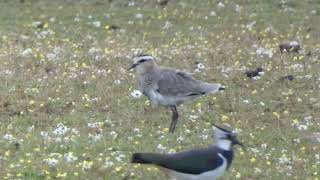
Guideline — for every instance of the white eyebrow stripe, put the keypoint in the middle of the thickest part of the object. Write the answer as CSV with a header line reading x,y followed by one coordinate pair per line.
x,y
143,57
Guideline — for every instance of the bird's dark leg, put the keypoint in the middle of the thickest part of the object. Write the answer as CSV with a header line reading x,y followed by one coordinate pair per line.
x,y
175,117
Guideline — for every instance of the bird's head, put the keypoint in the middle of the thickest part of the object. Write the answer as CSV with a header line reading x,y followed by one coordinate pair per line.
x,y
142,62
225,137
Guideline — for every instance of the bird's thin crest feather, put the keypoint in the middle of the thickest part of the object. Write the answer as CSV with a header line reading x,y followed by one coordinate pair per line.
x,y
223,129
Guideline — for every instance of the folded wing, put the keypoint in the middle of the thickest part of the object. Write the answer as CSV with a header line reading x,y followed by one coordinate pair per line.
x,y
179,83
191,162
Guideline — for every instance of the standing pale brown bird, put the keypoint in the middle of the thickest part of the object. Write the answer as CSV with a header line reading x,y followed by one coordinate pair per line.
x,y
169,87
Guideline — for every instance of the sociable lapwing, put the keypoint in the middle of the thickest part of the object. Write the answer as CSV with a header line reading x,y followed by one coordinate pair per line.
x,y
169,87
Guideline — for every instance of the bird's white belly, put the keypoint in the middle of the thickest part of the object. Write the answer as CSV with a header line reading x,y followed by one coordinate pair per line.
x,y
210,175
157,98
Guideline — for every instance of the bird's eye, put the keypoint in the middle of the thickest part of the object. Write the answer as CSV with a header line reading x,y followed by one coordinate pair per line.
x,y
142,60
229,136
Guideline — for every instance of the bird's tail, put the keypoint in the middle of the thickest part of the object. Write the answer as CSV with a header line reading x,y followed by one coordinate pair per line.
x,y
212,88
146,158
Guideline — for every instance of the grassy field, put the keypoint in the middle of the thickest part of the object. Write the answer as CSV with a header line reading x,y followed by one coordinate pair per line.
x,y
66,104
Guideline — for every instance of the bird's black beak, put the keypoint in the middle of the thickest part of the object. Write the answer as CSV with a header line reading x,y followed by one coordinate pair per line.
x,y
221,88
237,142
133,66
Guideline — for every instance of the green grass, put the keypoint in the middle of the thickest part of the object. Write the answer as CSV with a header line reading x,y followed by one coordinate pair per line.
x,y
75,88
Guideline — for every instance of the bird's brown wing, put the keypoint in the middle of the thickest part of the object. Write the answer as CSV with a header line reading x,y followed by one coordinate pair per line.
x,y
178,83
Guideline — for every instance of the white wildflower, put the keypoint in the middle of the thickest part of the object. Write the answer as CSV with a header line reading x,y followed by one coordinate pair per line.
x,y
251,24
139,16
307,118
93,51
69,157
108,122
238,175
24,37
200,66
302,127
76,19
96,24
204,136
117,82
136,130
108,164
246,101
256,77
180,139
212,13
75,131
193,117
296,140
161,148
313,12
255,150
52,162
86,165
27,52
51,56
238,8
308,76
220,4
120,157
36,23
61,129
136,93
57,139
114,134
293,43
264,146
257,170
95,125
45,135
132,3
96,137
31,128
8,137
52,19
167,25
264,52
43,34
297,67
284,160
